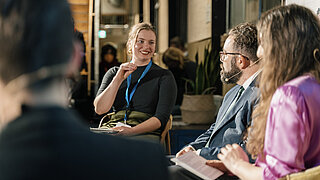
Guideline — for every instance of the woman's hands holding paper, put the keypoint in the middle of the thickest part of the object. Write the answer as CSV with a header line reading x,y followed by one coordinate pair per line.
x,y
231,155
123,129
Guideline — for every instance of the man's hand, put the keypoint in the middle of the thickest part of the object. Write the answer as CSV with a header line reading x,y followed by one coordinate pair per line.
x,y
185,150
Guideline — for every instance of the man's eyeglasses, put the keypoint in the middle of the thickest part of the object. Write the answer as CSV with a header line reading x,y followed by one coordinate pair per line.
x,y
223,55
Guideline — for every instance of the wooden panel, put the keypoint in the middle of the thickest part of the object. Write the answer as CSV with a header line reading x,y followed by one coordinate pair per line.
x,y
78,1
82,11
85,36
79,8
80,16
81,26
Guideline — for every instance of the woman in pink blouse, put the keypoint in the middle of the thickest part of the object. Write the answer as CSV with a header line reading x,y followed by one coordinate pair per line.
x,y
286,124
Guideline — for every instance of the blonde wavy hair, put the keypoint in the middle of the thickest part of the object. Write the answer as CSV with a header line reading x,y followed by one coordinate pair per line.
x,y
290,38
133,34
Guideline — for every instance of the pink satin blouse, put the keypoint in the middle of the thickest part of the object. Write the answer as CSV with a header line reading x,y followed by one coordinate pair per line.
x,y
293,129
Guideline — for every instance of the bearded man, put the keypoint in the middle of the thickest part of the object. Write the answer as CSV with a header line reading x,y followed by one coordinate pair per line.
x,y
240,66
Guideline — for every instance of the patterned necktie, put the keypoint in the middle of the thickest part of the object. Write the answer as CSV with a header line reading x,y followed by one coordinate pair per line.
x,y
239,93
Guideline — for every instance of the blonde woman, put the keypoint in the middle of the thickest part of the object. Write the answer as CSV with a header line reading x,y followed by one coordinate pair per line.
x,y
141,93
286,127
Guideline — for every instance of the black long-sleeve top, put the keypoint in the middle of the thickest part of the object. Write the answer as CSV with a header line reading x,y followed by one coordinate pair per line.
x,y
155,94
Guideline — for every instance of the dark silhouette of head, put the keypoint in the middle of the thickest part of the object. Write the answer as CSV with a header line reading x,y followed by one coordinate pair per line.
x,y
177,43
34,35
108,49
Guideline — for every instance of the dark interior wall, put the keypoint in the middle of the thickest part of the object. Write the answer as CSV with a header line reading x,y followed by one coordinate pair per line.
x,y
178,18
153,11
218,21
140,10
218,28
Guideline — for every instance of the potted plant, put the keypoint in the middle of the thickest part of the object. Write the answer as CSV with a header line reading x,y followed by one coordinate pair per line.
x,y
198,105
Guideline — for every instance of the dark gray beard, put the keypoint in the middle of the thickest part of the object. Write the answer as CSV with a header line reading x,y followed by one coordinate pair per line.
x,y
228,75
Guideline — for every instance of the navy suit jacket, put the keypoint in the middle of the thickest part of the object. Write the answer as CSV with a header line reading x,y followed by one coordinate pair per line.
x,y
228,127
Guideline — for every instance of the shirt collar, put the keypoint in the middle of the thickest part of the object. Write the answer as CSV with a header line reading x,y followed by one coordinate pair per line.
x,y
250,79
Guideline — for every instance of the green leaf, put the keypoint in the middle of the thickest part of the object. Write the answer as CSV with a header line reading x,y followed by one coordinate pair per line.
x,y
207,72
200,79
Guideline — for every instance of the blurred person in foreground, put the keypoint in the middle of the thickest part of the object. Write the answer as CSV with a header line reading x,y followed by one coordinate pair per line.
x,y
79,100
286,127
40,138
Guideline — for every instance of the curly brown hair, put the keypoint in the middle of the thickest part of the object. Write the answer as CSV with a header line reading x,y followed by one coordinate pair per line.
x,y
290,38
245,40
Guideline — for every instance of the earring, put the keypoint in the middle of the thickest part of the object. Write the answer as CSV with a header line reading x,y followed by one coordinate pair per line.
x,y
315,52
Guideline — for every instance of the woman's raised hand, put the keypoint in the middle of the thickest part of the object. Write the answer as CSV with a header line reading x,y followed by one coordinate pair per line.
x,y
125,70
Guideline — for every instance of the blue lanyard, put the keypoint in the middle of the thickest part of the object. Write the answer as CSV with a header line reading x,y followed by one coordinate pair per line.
x,y
128,99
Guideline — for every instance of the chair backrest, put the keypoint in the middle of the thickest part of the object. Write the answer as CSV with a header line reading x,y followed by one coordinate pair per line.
x,y
310,174
165,136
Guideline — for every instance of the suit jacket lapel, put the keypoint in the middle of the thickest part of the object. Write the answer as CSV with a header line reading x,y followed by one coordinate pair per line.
x,y
244,97
229,99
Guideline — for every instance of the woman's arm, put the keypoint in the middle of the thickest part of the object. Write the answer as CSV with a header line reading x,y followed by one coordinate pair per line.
x,y
167,97
104,101
237,161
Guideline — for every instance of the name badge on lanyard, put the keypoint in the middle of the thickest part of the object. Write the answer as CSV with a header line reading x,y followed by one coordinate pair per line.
x,y
128,98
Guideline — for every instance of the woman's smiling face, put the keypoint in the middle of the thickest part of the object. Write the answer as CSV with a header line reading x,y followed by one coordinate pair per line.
x,y
144,46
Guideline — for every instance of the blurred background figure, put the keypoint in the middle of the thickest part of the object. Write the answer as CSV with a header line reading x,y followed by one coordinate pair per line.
x,y
108,60
79,99
182,69
79,37
177,42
